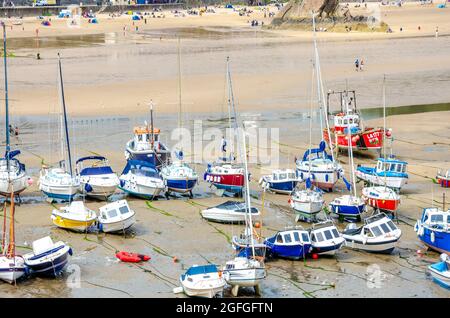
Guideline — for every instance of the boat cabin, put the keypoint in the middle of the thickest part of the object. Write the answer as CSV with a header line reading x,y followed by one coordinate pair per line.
x,y
142,137
378,225
283,175
292,237
391,165
113,210
351,121
324,232
436,218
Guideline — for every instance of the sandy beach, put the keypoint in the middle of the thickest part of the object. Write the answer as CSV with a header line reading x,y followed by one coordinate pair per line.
x,y
111,75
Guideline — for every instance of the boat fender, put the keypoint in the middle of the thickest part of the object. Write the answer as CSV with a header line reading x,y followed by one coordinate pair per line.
x,y
205,176
301,175
70,252
364,241
88,187
416,227
122,182
432,237
100,227
326,177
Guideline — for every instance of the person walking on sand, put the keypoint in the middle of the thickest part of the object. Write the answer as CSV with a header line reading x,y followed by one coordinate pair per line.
x,y
356,65
361,64
437,32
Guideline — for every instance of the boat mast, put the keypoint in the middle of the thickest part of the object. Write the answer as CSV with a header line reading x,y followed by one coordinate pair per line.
x,y
180,121
63,103
320,91
350,148
384,130
248,218
8,147
230,107
152,140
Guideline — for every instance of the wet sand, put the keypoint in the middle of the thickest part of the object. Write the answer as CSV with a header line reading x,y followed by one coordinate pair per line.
x,y
110,76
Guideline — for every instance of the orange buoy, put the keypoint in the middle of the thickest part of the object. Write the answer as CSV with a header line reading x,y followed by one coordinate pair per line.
x,y
175,259
257,225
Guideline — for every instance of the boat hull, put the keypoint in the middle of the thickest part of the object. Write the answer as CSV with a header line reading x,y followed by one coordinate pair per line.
x,y
380,180
12,270
233,183
377,247
181,185
69,224
440,274
326,250
389,205
143,192
285,187
114,227
52,267
369,139
440,243
245,277
324,180
97,189
19,184
347,210
295,252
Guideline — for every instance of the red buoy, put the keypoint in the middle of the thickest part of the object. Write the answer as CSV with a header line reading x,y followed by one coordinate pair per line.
x,y
315,256
131,257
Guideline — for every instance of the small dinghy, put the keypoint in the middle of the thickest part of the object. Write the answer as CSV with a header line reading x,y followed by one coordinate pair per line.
x,y
292,243
443,178
48,258
228,212
281,181
203,281
179,177
141,179
98,179
378,235
132,257
381,198
433,229
12,268
115,217
440,272
75,216
325,238
388,172
306,203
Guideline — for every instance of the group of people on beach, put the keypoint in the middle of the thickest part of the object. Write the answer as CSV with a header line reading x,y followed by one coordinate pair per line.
x,y
359,63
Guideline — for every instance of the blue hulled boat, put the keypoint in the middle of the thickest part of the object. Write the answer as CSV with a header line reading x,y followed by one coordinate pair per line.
x,y
48,258
433,229
281,181
179,176
293,244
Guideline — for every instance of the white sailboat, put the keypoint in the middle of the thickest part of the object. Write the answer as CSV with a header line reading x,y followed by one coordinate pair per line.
x,y
12,171
247,269
60,183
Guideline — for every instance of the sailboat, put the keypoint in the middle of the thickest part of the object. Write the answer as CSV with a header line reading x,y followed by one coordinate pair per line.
x,y
12,171
247,269
322,169
12,266
225,174
179,176
147,146
349,205
59,182
382,198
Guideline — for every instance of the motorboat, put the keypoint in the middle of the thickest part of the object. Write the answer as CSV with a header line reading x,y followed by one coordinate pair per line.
x,y
325,238
141,179
389,172
179,177
47,259
378,235
244,272
203,281
381,198
294,243
282,181
75,216
433,229
440,272
307,203
116,217
97,180
228,212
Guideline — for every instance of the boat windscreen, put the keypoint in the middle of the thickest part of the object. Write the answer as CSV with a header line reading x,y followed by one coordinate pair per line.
x,y
112,213
124,209
202,270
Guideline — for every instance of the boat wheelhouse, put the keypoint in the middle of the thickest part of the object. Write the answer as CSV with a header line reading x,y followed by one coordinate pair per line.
x,y
388,172
146,146
281,181
433,229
